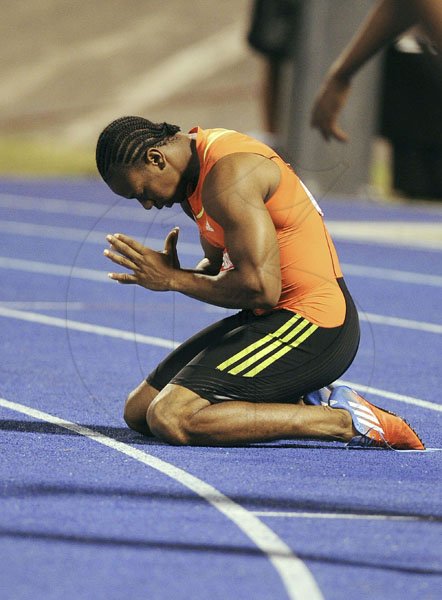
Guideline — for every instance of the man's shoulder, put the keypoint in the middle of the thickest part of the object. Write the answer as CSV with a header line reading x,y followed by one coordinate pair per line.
x,y
241,173
217,143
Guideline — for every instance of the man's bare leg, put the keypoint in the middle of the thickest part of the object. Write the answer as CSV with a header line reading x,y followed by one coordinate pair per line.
x,y
136,407
179,416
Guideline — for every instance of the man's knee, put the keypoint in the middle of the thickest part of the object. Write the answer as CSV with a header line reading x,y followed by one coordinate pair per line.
x,y
171,416
136,405
131,412
167,425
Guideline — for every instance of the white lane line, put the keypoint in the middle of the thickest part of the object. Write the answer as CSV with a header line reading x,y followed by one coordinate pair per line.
x,y
67,305
84,236
189,248
37,305
332,516
30,266
402,323
368,389
165,343
77,207
69,324
34,266
70,207
391,275
54,205
398,233
297,579
179,70
75,234
429,241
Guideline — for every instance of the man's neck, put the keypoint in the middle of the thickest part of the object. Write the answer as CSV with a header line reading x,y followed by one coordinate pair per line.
x,y
192,169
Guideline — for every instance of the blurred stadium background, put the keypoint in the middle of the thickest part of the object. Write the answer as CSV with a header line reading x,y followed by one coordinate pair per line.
x,y
68,67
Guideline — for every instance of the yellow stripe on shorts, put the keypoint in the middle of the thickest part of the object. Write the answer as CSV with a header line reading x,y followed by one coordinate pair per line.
x,y
276,344
307,333
239,355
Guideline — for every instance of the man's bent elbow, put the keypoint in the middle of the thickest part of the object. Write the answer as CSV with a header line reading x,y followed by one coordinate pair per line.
x,y
265,293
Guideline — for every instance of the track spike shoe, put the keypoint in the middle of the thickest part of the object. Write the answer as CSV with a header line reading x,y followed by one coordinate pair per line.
x,y
376,427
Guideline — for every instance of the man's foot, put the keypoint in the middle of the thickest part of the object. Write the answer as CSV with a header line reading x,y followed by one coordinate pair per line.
x,y
376,427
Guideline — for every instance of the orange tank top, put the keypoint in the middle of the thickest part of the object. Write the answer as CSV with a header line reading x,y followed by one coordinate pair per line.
x,y
309,263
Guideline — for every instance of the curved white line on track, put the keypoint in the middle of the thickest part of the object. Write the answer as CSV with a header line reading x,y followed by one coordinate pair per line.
x,y
297,579
165,343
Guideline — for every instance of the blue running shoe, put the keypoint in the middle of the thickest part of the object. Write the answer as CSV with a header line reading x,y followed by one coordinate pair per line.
x,y
377,428
319,397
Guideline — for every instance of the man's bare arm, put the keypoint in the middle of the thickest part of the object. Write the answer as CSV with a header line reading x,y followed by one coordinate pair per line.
x,y
233,195
212,261
213,257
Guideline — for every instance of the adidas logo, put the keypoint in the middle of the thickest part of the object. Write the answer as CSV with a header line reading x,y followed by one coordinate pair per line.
x,y
366,416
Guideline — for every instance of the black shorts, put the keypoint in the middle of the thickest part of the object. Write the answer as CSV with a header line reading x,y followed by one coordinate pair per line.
x,y
276,357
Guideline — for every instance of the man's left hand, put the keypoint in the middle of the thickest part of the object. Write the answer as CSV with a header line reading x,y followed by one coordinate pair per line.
x,y
150,269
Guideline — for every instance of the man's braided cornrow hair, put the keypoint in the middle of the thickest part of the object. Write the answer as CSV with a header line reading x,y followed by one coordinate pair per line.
x,y
124,141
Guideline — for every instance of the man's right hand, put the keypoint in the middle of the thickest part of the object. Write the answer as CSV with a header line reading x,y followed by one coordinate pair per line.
x,y
170,245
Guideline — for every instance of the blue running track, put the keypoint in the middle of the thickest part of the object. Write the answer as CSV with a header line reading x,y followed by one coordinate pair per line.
x,y
92,510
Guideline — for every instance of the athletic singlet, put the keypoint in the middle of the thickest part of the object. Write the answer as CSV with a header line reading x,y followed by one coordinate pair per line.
x,y
309,263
